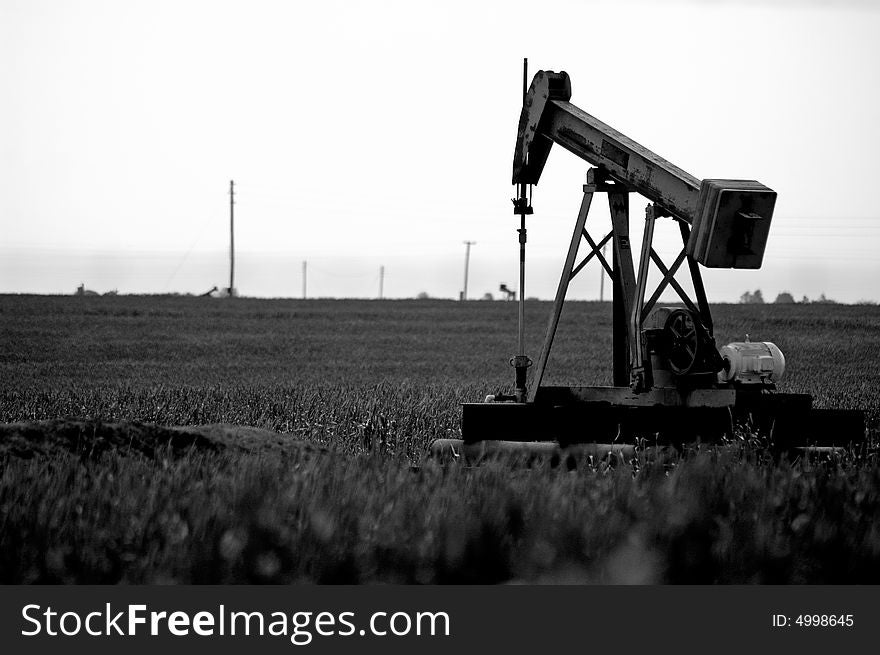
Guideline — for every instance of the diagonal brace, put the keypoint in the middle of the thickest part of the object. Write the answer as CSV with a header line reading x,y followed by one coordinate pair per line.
x,y
596,251
667,278
561,290
675,285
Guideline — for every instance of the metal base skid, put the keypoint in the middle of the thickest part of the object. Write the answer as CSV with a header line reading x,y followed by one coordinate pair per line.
x,y
608,415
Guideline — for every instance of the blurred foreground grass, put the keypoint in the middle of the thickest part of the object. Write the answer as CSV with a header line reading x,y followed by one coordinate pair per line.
x,y
714,518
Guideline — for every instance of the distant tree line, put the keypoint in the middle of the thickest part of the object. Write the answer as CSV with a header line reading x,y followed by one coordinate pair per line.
x,y
783,298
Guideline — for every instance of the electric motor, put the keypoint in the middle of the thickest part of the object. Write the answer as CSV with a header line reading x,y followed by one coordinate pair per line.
x,y
751,362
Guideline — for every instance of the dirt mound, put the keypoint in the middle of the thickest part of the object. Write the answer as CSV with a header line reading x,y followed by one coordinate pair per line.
x,y
93,438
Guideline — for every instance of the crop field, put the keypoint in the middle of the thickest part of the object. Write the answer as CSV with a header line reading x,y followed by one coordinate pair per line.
x,y
338,400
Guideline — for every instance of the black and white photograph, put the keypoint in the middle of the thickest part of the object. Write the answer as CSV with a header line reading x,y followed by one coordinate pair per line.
x,y
442,295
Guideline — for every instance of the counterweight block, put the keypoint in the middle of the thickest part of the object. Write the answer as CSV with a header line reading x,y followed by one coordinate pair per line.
x,y
732,223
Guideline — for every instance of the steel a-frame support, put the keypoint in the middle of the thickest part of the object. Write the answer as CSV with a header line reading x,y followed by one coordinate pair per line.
x,y
629,307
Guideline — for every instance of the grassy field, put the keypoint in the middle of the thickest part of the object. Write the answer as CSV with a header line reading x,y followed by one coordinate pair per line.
x,y
357,390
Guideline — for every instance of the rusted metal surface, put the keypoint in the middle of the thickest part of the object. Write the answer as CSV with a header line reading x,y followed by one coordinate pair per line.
x,y
637,351
625,160
625,283
532,148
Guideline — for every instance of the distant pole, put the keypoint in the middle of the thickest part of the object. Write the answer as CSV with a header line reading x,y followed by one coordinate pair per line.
x,y
381,281
467,258
602,279
231,236
305,266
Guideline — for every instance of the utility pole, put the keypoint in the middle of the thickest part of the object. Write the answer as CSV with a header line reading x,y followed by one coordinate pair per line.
x,y
305,265
381,281
602,278
467,258
231,237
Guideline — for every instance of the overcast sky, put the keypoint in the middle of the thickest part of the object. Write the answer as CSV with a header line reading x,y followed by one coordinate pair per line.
x,y
368,134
